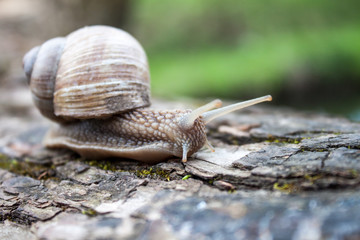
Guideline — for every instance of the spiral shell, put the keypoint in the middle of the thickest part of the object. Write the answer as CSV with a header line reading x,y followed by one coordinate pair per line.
x,y
94,72
40,65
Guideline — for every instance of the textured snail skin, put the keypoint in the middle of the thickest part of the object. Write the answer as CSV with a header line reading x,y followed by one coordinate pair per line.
x,y
143,135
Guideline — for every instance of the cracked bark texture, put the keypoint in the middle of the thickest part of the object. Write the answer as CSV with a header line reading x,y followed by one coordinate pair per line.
x,y
276,174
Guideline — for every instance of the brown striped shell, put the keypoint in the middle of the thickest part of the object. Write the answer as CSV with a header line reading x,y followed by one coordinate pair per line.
x,y
94,72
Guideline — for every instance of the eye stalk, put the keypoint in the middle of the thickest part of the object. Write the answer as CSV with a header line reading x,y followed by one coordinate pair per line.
x,y
211,115
187,121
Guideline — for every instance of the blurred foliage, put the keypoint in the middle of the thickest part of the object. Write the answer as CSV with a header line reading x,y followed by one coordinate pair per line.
x,y
299,51
305,53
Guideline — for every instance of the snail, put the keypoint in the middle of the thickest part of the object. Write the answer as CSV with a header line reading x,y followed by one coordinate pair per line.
x,y
95,83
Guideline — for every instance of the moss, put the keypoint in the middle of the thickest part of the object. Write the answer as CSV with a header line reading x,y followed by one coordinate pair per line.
x,y
354,173
186,177
144,172
313,178
314,149
285,187
153,173
89,212
26,168
273,139
235,141
3,157
102,164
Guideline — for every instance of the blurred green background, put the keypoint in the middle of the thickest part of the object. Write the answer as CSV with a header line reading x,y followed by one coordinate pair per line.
x,y
305,53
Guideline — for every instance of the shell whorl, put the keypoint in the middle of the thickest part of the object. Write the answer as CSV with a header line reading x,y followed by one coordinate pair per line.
x,y
102,71
94,72
29,61
40,65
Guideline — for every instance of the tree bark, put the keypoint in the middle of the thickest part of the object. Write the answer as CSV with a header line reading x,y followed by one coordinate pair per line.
x,y
276,173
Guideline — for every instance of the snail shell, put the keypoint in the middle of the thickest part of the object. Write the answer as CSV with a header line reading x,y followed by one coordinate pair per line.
x,y
95,72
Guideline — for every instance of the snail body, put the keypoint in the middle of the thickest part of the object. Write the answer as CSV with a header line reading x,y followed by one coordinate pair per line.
x,y
144,135
95,83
